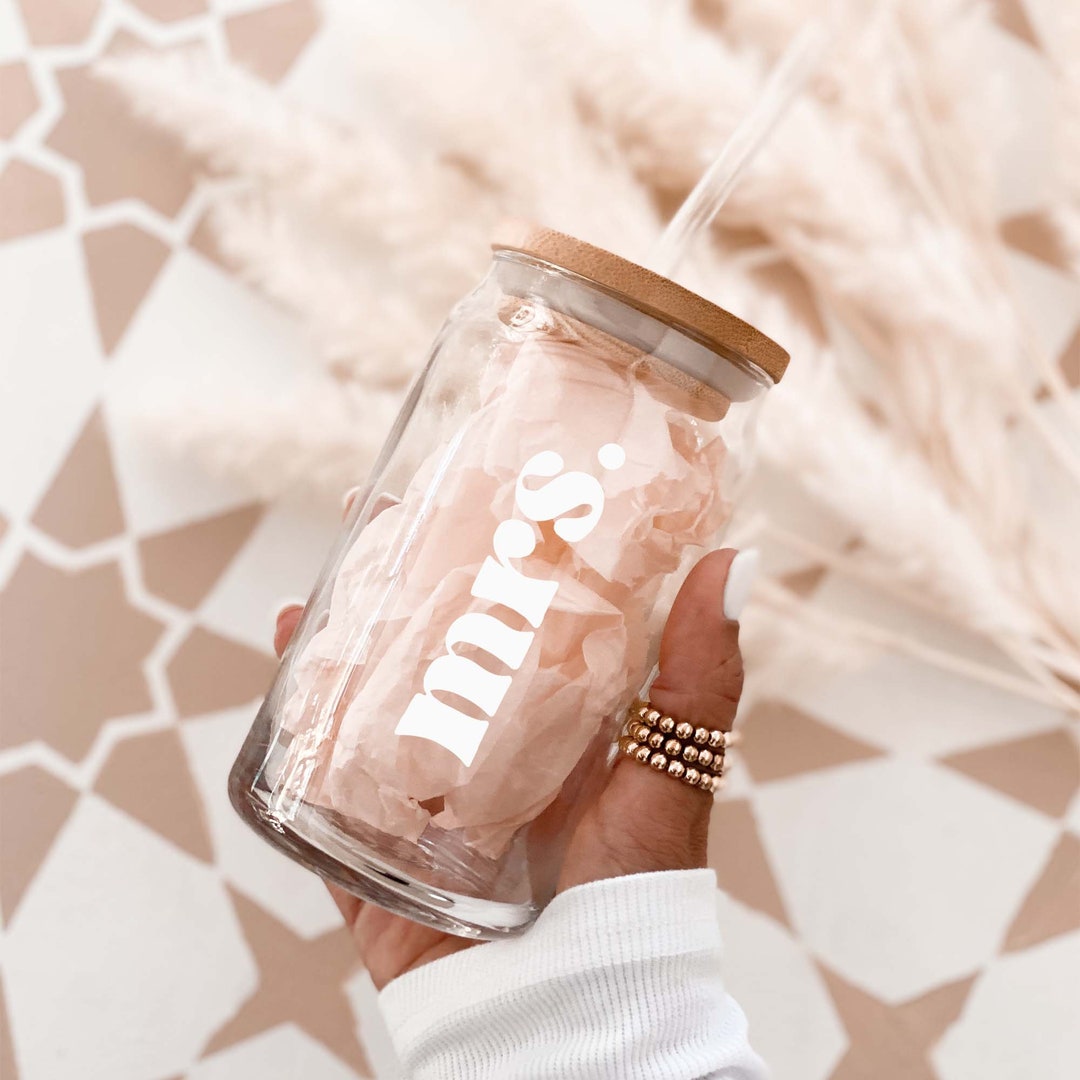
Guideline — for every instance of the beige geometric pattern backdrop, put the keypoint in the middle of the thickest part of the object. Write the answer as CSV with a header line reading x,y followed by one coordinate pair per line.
x,y
899,854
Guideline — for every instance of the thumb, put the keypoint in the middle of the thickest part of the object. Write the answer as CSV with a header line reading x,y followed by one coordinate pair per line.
x,y
701,673
647,819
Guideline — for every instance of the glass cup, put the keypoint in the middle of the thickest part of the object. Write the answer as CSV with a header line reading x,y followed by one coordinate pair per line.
x,y
450,700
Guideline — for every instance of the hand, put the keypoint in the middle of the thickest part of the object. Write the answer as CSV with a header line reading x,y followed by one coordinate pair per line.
x,y
641,820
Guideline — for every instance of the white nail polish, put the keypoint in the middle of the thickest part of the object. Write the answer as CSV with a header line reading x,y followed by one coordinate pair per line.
x,y
740,580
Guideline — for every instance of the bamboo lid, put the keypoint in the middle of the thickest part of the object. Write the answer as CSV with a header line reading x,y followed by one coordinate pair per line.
x,y
645,290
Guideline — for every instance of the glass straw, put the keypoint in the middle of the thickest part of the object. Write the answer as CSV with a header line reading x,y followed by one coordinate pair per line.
x,y
786,80
792,72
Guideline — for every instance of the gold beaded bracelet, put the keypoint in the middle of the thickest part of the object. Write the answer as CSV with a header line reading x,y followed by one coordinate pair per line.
x,y
694,755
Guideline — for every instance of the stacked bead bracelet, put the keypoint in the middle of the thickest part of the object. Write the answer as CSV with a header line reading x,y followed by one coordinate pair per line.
x,y
694,755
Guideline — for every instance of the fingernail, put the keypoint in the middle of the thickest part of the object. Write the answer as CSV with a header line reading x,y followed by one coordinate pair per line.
x,y
282,606
740,580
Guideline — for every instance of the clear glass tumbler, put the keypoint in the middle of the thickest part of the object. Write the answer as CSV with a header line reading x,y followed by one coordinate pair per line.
x,y
450,700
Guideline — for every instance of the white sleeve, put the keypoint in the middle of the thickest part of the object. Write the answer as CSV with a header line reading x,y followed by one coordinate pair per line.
x,y
616,979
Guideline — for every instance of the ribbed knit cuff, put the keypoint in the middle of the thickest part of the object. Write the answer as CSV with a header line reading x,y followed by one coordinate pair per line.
x,y
599,924
617,978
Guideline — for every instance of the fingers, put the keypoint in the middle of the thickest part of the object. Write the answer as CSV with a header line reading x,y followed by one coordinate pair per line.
x,y
701,672
347,904
700,680
288,618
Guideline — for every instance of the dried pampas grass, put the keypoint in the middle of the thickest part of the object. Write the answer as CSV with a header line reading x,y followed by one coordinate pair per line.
x,y
865,237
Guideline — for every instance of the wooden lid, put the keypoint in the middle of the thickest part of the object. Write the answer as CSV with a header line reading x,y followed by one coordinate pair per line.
x,y
647,291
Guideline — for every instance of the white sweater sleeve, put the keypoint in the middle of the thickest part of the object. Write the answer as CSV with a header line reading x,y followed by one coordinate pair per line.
x,y
616,979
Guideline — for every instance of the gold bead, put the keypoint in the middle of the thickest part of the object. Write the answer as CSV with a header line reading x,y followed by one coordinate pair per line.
x,y
639,708
640,732
709,784
690,753
676,768
651,717
666,725
692,776
716,738
701,735
658,761
642,753
705,758
684,730
629,747
655,740
673,748
624,742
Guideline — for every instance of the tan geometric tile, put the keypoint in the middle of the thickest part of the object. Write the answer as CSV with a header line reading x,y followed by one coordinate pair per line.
x,y
893,1040
210,673
374,1034
1042,771
122,262
741,865
284,1052
170,10
1036,235
121,156
1069,361
18,98
1020,1018
906,707
268,40
31,200
280,562
1053,905
82,505
782,741
284,888
899,874
147,776
143,949
7,1049
203,239
72,656
58,22
1011,16
40,804
182,565
300,982
770,973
